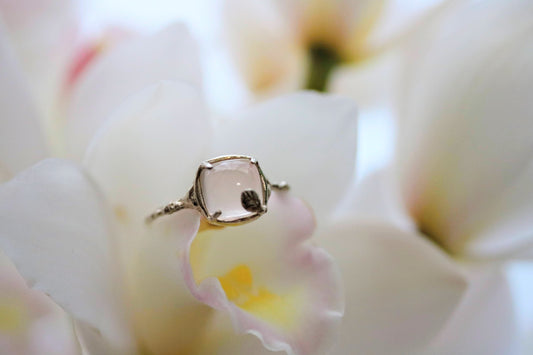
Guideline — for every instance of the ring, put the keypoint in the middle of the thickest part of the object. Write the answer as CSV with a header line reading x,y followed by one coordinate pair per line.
x,y
228,190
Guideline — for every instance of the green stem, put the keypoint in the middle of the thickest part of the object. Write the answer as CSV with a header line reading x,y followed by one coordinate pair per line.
x,y
322,60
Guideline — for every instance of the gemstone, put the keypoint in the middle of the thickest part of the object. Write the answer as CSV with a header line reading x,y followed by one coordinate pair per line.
x,y
228,185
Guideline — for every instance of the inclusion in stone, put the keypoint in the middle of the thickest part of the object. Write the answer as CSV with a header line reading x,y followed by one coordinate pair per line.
x,y
224,186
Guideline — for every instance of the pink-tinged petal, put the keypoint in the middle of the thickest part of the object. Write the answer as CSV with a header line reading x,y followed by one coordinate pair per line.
x,y
21,138
145,156
465,150
170,54
254,29
87,52
273,283
400,289
306,139
484,322
30,322
54,228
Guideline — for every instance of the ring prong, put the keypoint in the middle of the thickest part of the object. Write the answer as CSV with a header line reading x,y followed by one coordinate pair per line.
x,y
253,161
206,165
281,186
217,214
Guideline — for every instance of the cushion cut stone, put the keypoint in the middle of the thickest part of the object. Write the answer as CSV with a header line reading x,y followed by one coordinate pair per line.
x,y
223,184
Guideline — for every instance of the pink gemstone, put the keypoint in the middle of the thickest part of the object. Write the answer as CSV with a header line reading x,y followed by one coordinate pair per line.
x,y
223,184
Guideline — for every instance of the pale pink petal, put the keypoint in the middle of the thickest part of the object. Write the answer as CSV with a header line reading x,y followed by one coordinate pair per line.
x,y
170,54
54,228
271,281
465,151
306,139
21,137
89,49
400,289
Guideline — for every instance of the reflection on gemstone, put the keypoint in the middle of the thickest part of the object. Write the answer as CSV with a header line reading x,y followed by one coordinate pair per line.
x,y
223,186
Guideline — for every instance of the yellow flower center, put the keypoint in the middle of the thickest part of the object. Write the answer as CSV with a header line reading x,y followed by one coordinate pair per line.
x,y
239,288
281,308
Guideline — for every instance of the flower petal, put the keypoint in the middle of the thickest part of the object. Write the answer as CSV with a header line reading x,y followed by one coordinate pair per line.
x,y
484,322
370,83
400,290
170,54
398,19
465,153
376,198
54,229
148,152
168,319
21,138
306,139
272,283
254,28
145,156
43,33
220,339
31,323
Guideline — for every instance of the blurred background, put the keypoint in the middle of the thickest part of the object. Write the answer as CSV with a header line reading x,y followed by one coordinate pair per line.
x,y
224,87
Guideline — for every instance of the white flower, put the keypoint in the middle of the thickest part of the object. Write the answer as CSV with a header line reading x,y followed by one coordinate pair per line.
x,y
339,46
436,229
134,288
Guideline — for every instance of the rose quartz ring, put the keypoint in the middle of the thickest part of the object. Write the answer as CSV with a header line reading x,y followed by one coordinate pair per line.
x,y
228,190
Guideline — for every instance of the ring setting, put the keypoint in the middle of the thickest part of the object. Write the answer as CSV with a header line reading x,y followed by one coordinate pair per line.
x,y
227,190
